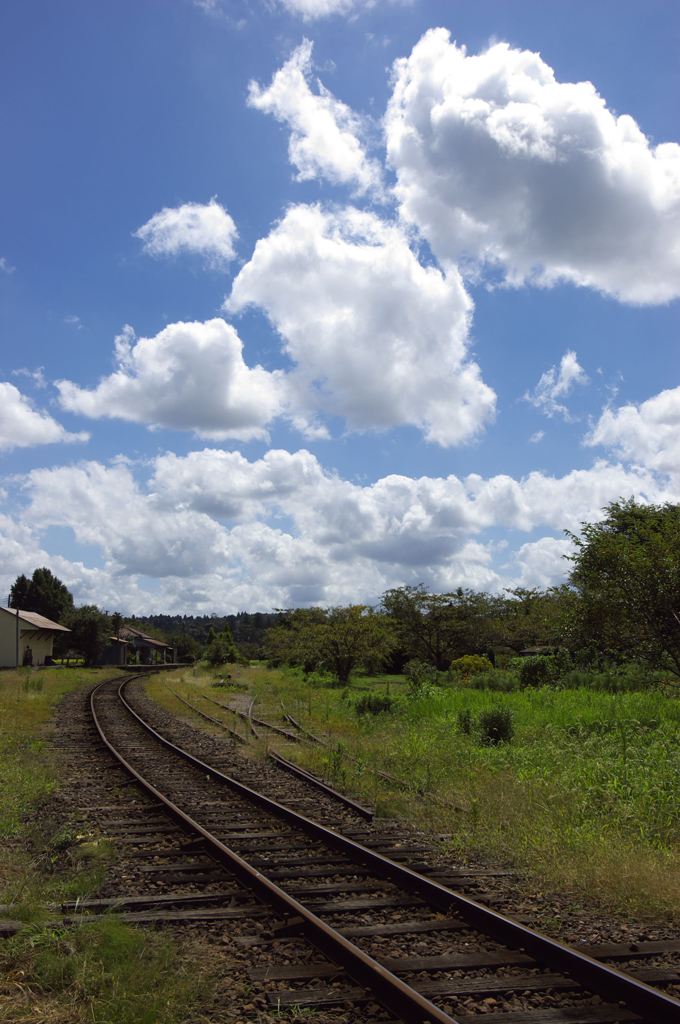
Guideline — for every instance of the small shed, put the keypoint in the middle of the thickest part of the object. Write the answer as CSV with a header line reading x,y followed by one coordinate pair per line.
x,y
148,650
531,652
115,652
20,630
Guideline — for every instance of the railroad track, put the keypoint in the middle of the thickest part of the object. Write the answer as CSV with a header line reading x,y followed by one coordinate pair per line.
x,y
413,944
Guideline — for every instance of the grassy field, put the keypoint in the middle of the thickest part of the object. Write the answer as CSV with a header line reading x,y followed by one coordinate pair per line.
x,y
583,797
104,973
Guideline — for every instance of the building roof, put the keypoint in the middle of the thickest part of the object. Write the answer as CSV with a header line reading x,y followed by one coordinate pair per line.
x,y
35,620
150,641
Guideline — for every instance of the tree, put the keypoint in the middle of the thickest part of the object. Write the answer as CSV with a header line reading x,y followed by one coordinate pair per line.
x,y
20,593
90,630
353,636
627,574
436,628
221,648
294,641
43,593
337,639
186,647
530,617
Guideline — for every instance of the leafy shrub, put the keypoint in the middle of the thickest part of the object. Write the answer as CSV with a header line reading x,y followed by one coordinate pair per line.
x,y
464,721
220,651
496,679
496,726
374,704
419,676
537,670
470,665
625,678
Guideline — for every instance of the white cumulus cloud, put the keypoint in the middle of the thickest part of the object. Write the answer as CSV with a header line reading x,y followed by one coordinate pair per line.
x,y
190,376
647,434
543,563
213,529
22,425
555,384
206,229
104,506
325,133
498,161
376,337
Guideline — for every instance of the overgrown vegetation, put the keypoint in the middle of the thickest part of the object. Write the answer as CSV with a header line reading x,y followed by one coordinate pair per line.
x,y
621,606
104,972
576,785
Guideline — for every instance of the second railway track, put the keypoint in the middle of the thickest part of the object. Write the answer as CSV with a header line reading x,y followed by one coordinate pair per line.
x,y
395,943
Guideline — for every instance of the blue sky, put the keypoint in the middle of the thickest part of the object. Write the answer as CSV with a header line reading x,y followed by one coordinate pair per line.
x,y
395,292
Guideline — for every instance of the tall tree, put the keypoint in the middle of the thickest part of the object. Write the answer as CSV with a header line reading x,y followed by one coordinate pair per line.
x,y
45,594
436,628
337,640
90,630
627,574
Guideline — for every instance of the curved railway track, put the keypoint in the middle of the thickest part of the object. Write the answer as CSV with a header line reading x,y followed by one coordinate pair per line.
x,y
346,890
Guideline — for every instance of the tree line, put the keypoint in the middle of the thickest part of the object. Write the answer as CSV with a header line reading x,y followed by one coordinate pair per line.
x,y
621,603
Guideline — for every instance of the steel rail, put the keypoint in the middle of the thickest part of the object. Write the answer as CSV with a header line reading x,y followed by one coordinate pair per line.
x,y
215,721
612,984
394,994
305,732
301,773
251,718
279,761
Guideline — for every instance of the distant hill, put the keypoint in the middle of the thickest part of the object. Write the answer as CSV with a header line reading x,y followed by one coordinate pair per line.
x,y
247,628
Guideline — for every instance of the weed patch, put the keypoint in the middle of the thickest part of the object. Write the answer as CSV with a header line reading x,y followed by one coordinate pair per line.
x,y
583,797
105,972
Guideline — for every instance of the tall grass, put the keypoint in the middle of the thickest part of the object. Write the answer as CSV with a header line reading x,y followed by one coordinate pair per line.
x,y
102,972
583,796
27,700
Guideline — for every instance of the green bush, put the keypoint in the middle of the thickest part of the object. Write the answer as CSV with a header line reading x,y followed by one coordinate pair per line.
x,y
419,676
221,651
496,726
626,678
537,670
470,665
464,721
496,679
374,704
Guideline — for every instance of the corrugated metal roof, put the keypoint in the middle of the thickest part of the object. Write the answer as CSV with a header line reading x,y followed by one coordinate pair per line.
x,y
33,619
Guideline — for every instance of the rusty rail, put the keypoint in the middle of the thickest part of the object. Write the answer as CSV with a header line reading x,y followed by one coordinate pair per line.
x,y
614,985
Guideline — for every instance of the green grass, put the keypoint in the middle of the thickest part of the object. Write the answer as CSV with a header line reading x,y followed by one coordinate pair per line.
x,y
27,700
104,972
584,797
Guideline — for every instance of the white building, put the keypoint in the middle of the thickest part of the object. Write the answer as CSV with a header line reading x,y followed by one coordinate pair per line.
x,y
22,630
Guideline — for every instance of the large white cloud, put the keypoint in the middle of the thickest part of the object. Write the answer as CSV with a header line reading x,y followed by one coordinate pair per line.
x,y
104,506
193,227
325,133
377,337
22,425
214,531
190,376
543,563
647,434
496,160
